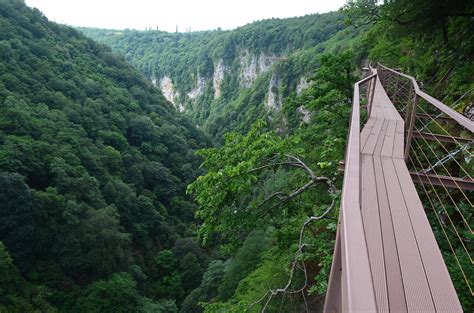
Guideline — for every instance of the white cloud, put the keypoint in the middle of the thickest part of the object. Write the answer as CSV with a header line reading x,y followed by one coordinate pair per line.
x,y
197,14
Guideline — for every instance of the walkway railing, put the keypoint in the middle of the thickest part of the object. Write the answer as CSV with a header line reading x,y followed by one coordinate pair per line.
x,y
351,263
438,154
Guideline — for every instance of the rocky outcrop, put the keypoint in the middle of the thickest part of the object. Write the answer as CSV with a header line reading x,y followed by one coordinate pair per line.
x,y
167,88
199,89
266,61
274,101
302,85
248,69
304,113
218,78
251,66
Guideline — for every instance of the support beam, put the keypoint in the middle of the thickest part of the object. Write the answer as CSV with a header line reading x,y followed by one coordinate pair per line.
x,y
436,180
429,117
440,180
411,125
438,137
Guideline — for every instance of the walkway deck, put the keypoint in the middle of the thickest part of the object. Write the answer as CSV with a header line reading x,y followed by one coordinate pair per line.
x,y
407,268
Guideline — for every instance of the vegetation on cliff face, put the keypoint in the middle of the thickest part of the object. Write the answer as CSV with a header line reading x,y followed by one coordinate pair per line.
x,y
225,80
269,184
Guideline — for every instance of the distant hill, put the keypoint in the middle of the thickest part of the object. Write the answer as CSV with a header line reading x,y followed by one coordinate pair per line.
x,y
225,80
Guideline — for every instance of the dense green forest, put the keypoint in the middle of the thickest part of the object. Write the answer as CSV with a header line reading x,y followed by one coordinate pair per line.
x,y
94,164
113,200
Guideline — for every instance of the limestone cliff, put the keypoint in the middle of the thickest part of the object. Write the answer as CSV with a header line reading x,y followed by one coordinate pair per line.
x,y
252,65
166,86
274,100
199,89
218,78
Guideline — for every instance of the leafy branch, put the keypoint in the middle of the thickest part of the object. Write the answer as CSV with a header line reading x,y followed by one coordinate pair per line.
x,y
271,293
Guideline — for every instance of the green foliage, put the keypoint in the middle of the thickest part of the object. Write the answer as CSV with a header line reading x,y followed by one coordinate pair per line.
x,y
169,282
94,163
408,16
191,271
117,294
20,213
9,273
269,275
227,178
166,306
208,289
97,244
247,169
426,39
245,260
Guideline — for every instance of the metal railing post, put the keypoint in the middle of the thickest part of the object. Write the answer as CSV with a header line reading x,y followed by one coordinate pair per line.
x,y
411,125
333,301
371,100
409,107
367,95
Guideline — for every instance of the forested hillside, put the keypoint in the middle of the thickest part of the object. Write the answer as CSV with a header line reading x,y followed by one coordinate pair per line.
x,y
94,163
225,80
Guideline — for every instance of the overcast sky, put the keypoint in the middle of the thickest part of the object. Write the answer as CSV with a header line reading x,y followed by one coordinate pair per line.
x,y
197,14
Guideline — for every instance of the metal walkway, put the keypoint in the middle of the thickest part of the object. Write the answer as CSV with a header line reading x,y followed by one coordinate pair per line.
x,y
386,257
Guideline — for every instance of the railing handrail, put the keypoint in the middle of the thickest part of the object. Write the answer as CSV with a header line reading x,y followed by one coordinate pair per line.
x,y
459,118
355,259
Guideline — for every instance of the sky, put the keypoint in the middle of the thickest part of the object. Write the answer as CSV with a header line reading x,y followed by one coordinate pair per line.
x,y
166,15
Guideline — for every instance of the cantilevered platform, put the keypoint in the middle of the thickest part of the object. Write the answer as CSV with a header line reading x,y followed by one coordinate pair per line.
x,y
407,268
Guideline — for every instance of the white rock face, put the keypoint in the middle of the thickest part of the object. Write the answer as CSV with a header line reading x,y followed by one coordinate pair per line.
x,y
248,69
199,90
266,61
282,129
167,88
218,78
251,66
180,107
274,101
302,85
304,113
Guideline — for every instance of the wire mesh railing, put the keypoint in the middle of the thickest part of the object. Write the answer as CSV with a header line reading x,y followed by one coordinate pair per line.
x,y
439,154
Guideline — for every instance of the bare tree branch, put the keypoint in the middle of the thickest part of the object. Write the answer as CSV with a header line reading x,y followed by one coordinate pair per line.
x,y
256,169
295,263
